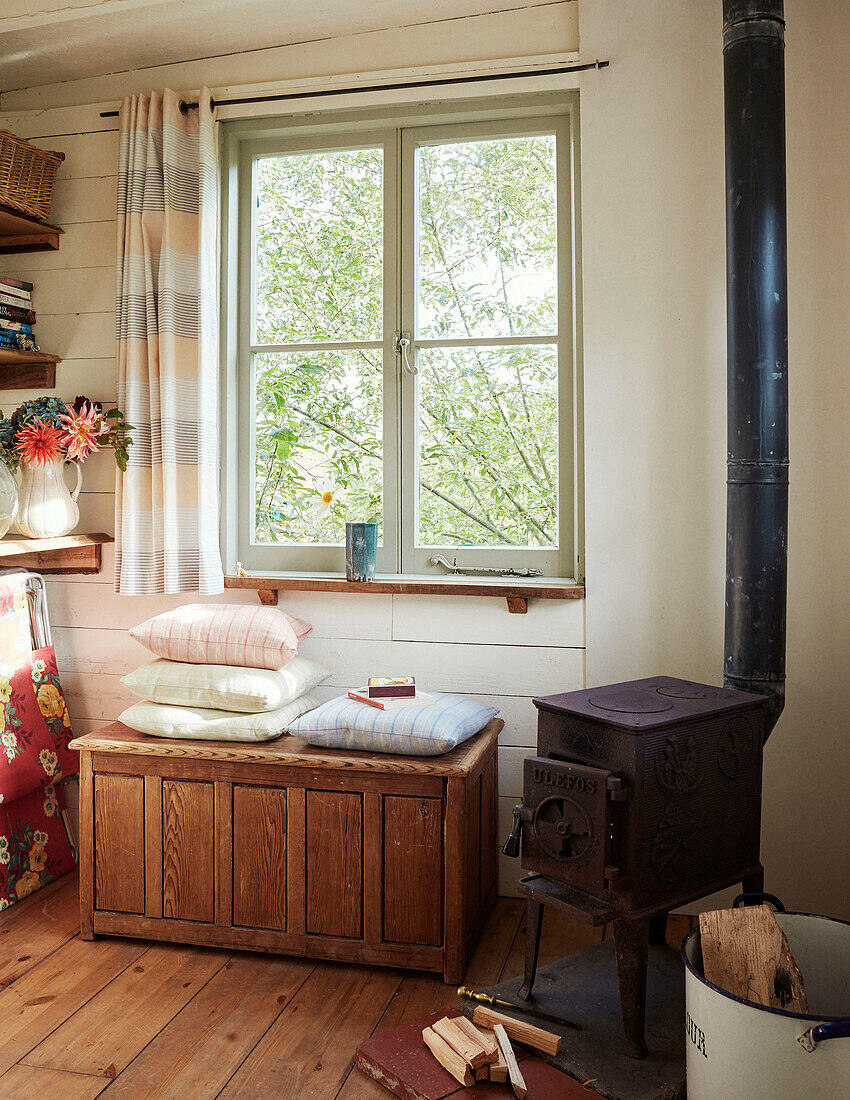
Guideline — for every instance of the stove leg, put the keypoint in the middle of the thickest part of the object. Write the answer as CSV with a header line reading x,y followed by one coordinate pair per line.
x,y
754,883
533,928
632,945
658,930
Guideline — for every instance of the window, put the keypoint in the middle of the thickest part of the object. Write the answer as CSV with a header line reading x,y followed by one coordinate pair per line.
x,y
401,340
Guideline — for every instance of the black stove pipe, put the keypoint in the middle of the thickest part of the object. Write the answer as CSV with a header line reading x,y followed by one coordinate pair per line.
x,y
757,349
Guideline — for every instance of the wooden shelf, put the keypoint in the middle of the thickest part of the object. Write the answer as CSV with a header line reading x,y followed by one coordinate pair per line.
x,y
516,592
21,233
68,554
27,370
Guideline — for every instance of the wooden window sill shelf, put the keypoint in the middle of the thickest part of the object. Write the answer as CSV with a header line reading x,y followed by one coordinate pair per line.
x,y
68,554
516,591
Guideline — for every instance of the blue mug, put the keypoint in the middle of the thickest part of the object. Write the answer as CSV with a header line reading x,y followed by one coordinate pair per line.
x,y
361,551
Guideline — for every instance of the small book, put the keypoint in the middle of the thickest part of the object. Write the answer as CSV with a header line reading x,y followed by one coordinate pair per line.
x,y
14,326
12,313
420,699
9,339
16,291
391,687
14,300
17,284
24,297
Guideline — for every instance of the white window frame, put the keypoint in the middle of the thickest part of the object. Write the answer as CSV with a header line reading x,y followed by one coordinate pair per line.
x,y
399,132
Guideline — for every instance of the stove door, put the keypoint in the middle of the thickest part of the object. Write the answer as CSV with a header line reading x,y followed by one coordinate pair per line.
x,y
567,820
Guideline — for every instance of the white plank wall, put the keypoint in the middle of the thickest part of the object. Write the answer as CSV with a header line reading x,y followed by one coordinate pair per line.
x,y
468,645
464,43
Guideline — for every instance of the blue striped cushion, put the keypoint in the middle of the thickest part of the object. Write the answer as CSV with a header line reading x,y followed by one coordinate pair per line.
x,y
344,723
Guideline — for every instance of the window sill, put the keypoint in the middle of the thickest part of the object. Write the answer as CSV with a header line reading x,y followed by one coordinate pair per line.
x,y
516,590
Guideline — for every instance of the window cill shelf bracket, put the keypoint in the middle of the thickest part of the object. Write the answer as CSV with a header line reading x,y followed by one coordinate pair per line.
x,y
515,594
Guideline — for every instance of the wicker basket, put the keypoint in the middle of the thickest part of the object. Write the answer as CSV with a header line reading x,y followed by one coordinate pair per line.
x,y
27,175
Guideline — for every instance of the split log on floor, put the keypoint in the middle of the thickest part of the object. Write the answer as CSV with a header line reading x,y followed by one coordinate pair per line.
x,y
746,953
516,1078
518,1030
482,1073
449,1059
499,1068
471,1050
486,1039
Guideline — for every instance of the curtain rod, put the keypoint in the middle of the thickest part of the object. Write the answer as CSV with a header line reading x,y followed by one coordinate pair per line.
x,y
184,106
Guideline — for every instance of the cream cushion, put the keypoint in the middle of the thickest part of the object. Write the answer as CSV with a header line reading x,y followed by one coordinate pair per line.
x,y
225,687
201,724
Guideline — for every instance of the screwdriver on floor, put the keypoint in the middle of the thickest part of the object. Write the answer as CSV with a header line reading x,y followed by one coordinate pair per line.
x,y
489,999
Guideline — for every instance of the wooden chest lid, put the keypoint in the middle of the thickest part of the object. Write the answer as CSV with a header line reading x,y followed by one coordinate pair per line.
x,y
644,705
293,752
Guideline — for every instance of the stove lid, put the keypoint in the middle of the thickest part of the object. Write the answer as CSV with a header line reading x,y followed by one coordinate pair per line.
x,y
642,705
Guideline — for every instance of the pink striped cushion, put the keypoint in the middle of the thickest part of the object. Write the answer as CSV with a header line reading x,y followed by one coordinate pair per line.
x,y
218,634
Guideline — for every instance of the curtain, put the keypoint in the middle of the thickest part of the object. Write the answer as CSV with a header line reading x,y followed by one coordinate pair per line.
x,y
166,517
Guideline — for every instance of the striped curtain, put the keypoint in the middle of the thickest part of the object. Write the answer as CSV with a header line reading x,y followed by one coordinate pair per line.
x,y
166,518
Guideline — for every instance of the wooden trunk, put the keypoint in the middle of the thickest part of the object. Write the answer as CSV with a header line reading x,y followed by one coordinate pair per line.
x,y
363,857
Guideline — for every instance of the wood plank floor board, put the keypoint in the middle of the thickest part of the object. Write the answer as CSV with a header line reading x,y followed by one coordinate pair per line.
x,y
107,1033
43,998
29,1083
419,994
36,927
204,1045
184,1022
309,1049
491,955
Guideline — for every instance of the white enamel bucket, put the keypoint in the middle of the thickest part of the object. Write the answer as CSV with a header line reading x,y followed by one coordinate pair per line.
x,y
739,1049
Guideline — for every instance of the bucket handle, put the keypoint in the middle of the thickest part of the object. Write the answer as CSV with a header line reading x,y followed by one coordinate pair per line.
x,y
758,899
836,1029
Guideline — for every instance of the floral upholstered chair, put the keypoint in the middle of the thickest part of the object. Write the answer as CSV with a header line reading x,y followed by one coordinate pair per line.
x,y
34,753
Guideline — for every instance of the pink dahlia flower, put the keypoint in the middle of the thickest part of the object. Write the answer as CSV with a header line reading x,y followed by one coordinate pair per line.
x,y
80,431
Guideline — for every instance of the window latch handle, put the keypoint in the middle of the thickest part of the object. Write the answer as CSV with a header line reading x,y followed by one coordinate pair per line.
x,y
401,342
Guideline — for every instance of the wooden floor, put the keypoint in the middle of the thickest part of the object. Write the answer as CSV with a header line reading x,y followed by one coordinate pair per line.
x,y
127,1018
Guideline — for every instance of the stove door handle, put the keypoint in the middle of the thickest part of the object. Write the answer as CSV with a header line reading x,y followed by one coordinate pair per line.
x,y
758,899
512,844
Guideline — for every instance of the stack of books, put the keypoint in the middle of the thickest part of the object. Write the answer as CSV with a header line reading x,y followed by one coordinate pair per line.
x,y
16,314
391,693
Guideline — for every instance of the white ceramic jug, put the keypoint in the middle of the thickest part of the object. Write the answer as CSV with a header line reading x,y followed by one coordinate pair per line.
x,y
46,508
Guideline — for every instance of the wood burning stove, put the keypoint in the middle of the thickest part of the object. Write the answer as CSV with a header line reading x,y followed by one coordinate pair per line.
x,y
643,796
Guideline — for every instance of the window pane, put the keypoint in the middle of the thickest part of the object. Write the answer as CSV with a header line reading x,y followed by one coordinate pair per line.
x,y
319,246
318,445
487,244
488,446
